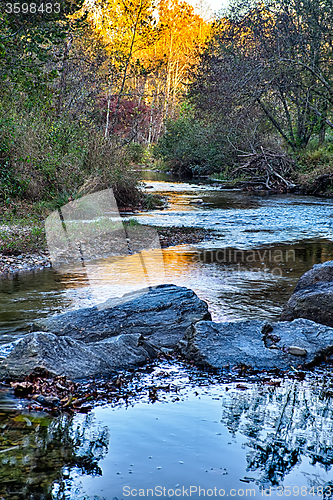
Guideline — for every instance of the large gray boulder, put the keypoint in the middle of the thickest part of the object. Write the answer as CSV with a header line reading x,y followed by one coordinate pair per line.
x,y
117,334
162,315
257,344
313,296
41,353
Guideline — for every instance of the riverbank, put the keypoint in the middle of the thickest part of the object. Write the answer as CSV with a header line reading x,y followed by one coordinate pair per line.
x,y
23,247
320,186
184,416
23,263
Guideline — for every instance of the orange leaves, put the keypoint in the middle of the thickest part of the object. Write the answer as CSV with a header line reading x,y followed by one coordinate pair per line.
x,y
151,48
169,33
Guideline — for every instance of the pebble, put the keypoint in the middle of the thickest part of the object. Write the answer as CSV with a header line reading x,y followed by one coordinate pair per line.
x,y
297,351
23,263
47,400
196,201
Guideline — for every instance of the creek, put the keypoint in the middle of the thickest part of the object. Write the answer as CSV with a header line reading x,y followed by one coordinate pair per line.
x,y
248,439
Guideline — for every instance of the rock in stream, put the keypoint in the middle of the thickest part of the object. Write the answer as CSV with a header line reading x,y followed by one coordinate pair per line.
x,y
162,315
40,353
313,296
257,344
100,340
131,330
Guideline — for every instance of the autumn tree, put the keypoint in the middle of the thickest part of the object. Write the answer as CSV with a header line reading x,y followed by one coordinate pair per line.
x,y
182,34
125,27
273,59
151,48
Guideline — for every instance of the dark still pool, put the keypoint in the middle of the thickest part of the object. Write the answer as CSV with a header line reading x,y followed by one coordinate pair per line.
x,y
193,435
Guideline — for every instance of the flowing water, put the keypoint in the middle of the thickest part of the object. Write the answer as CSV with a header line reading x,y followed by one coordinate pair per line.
x,y
229,439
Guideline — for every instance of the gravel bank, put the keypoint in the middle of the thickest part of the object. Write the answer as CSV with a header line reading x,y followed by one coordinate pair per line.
x,y
10,263
25,262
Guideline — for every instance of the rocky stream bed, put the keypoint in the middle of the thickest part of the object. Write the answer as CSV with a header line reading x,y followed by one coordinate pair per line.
x,y
223,379
166,321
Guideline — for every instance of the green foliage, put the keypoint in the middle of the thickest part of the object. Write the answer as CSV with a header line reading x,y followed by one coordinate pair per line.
x,y
29,43
41,156
48,159
109,165
9,183
151,201
19,238
314,173
131,222
190,147
319,159
137,152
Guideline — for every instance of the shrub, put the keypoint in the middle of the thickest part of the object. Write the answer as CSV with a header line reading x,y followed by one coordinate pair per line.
x,y
190,147
49,159
111,166
40,156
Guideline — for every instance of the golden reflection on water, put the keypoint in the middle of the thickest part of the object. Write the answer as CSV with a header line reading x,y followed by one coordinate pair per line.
x,y
236,284
194,264
128,273
235,289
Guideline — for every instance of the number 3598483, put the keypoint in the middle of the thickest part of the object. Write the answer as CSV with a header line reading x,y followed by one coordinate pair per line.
x,y
32,8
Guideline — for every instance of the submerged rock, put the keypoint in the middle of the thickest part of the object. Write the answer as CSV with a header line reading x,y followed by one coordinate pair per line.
x,y
162,315
257,344
41,353
219,345
129,331
304,341
313,296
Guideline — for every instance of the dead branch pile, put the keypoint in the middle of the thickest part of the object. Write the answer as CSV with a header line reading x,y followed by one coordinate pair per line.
x,y
267,170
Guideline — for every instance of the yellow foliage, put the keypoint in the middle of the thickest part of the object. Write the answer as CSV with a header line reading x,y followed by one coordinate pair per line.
x,y
154,46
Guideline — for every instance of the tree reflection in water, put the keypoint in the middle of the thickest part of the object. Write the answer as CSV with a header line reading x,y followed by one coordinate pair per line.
x,y
44,458
283,425
37,452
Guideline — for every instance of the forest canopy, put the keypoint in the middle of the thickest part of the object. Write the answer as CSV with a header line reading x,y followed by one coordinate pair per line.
x,y
264,81
98,86
86,89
